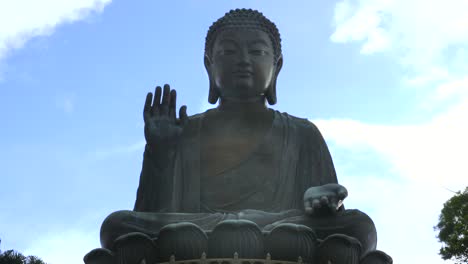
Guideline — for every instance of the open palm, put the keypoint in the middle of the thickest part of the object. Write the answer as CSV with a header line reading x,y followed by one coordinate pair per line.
x,y
162,127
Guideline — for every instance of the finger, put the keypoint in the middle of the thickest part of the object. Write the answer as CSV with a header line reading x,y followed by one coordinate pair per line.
x,y
157,100
183,115
316,204
165,100
172,104
333,204
147,108
324,200
342,194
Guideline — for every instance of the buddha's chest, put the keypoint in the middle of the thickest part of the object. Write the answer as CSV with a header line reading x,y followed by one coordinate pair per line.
x,y
230,139
227,142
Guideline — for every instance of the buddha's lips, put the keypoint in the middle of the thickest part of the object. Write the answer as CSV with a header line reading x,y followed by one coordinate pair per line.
x,y
243,73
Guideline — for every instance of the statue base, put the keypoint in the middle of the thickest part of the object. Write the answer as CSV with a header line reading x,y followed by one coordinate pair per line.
x,y
235,242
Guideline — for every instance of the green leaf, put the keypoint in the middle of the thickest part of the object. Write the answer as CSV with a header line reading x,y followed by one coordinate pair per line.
x,y
453,228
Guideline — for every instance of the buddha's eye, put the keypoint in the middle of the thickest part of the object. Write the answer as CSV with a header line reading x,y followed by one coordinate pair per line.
x,y
226,52
258,52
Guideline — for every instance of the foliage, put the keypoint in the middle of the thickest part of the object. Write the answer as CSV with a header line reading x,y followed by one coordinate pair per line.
x,y
453,228
34,260
13,257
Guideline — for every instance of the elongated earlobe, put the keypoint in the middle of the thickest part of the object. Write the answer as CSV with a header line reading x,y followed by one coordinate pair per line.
x,y
271,91
213,93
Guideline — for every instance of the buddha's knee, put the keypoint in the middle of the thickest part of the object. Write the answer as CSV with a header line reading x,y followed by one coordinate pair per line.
x,y
360,226
115,225
353,223
356,217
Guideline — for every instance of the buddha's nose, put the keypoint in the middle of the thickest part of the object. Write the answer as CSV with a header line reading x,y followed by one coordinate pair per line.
x,y
244,58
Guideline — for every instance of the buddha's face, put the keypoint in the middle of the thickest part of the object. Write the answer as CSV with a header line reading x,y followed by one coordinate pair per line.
x,y
242,64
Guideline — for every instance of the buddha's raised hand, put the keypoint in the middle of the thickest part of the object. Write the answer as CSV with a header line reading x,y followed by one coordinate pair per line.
x,y
324,199
162,127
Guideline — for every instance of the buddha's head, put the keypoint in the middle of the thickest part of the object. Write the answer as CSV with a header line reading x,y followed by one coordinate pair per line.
x,y
243,57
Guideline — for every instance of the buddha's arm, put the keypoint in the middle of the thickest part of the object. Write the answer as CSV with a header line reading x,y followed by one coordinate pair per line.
x,y
323,190
323,170
155,175
327,166
162,133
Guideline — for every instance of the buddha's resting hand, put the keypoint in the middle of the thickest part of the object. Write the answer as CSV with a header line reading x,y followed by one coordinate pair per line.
x,y
324,199
162,127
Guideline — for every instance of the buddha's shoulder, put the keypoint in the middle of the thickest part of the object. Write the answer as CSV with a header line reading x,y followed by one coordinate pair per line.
x,y
197,118
195,121
302,124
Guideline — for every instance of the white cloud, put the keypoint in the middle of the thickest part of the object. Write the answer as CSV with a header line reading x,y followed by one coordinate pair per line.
x,y
22,20
356,23
431,152
453,89
404,213
430,38
420,32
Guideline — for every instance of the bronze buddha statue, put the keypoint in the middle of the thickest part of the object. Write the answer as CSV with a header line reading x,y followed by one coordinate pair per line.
x,y
240,160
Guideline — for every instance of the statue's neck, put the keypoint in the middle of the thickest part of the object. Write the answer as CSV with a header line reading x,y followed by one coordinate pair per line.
x,y
254,104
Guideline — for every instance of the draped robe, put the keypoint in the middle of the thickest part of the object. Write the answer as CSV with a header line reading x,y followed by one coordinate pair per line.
x,y
266,186
297,153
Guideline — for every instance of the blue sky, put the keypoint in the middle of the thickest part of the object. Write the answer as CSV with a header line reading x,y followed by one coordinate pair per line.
x,y
385,81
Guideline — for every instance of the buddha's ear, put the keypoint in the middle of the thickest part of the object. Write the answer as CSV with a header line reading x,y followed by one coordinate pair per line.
x,y
271,91
213,93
